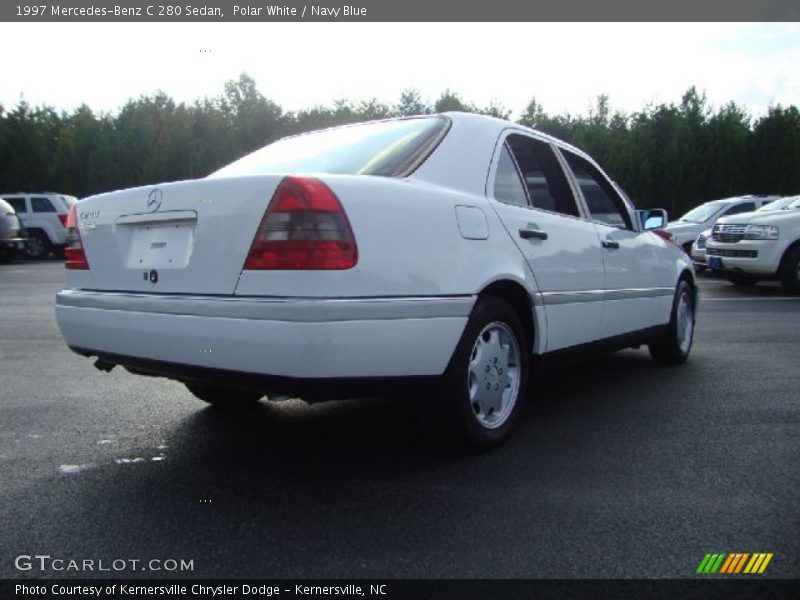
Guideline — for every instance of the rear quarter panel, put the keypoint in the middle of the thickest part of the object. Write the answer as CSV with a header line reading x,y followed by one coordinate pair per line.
x,y
409,244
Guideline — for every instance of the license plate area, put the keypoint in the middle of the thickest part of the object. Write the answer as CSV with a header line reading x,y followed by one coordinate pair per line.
x,y
715,262
163,241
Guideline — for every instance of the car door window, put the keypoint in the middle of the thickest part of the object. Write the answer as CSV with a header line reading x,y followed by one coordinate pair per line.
x,y
507,183
17,203
602,201
544,179
42,205
740,208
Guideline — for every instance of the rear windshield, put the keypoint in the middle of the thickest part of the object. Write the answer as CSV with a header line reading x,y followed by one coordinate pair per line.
x,y
388,148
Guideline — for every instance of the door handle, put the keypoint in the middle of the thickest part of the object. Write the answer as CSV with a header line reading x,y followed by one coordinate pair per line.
x,y
529,234
610,244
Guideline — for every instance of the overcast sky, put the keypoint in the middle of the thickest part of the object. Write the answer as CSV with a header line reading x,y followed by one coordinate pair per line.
x,y
565,66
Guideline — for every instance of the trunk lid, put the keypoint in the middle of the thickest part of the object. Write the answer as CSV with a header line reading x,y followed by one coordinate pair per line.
x,y
188,237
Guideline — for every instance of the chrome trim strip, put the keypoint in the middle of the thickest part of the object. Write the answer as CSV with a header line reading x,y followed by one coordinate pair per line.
x,y
308,310
576,297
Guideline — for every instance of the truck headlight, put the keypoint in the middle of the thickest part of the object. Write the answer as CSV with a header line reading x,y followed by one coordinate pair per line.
x,y
761,232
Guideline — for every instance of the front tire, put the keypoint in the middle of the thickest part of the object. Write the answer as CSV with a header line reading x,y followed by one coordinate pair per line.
x,y
484,385
674,345
229,398
790,271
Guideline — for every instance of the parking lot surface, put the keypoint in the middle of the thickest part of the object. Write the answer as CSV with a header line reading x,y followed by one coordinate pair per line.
x,y
619,468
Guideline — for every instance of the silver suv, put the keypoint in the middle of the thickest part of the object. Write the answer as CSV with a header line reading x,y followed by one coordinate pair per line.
x,y
43,215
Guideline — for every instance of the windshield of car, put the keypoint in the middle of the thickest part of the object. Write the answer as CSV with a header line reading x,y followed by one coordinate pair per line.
x,y
389,148
794,204
704,212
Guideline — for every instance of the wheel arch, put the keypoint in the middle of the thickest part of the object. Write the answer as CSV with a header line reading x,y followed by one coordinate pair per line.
x,y
520,300
688,276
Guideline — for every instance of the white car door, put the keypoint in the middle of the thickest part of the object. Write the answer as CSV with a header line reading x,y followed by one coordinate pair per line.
x,y
638,285
562,249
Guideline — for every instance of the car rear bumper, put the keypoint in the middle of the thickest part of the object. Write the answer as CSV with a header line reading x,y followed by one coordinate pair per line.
x,y
279,337
12,244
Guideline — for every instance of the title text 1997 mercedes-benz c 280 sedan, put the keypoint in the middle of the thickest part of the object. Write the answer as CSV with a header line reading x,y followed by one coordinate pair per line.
x,y
449,250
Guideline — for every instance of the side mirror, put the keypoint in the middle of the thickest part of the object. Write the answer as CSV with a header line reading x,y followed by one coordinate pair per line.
x,y
652,218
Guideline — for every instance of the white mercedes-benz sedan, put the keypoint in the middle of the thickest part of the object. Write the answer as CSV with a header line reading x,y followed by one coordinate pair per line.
x,y
446,252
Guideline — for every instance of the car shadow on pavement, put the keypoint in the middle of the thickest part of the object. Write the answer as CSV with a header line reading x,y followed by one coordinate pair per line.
x,y
346,489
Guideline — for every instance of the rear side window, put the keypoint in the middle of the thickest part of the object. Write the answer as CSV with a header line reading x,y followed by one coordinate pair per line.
x,y
507,183
42,205
17,203
543,178
389,148
602,201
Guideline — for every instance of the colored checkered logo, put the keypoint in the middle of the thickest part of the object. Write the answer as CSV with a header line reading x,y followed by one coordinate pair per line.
x,y
737,562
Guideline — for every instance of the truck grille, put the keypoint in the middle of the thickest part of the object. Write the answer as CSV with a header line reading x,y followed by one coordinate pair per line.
x,y
732,253
728,233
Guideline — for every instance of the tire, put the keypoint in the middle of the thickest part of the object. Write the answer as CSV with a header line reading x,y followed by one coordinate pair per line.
x,y
38,245
224,396
743,280
789,272
674,345
484,385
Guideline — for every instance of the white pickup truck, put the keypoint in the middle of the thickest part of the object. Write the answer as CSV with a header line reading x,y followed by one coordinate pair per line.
x,y
749,247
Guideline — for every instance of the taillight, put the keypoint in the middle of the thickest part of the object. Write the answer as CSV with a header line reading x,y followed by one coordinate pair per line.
x,y
75,256
63,219
304,227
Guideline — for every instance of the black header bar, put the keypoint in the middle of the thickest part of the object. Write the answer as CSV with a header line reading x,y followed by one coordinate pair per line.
x,y
401,10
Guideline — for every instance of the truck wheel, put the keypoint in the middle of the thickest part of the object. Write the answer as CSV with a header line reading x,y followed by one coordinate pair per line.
x,y
38,245
789,272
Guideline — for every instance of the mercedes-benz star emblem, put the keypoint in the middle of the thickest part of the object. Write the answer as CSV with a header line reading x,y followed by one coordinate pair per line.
x,y
154,200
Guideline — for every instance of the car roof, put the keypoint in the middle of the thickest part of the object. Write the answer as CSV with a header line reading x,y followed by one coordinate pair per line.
x,y
462,159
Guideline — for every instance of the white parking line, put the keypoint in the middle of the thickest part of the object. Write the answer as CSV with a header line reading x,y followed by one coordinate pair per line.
x,y
704,299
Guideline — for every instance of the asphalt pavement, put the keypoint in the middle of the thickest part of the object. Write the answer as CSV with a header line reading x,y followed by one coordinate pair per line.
x,y
619,468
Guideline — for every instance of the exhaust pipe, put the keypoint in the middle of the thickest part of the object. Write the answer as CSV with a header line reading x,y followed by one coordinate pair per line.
x,y
103,365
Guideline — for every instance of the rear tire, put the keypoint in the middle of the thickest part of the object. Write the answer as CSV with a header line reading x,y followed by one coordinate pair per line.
x,y
38,245
224,396
484,385
674,345
789,272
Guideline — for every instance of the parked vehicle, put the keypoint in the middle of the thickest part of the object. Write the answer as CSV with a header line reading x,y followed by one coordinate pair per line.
x,y
43,215
444,251
759,245
686,229
698,251
12,234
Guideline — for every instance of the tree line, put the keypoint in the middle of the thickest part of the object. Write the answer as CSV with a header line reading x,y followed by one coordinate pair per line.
x,y
669,155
